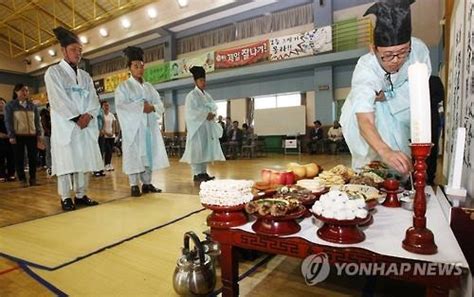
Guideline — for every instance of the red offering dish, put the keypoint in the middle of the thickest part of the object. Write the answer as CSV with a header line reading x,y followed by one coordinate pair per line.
x,y
341,231
308,203
223,217
278,225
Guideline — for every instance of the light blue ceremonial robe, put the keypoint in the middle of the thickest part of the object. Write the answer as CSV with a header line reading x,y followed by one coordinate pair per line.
x,y
392,116
72,149
202,139
142,142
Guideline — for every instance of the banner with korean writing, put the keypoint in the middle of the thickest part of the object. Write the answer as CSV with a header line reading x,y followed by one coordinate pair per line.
x,y
302,44
244,55
112,82
180,68
99,86
157,73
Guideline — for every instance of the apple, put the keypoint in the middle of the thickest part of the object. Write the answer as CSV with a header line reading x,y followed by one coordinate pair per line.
x,y
276,178
300,172
290,178
266,175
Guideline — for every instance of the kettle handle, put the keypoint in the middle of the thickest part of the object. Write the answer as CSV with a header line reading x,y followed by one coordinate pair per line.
x,y
197,244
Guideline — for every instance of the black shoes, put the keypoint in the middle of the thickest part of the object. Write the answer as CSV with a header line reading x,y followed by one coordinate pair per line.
x,y
135,191
86,201
99,173
67,204
149,188
203,177
33,182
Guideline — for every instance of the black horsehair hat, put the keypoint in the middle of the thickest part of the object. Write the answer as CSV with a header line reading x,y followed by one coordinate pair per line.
x,y
65,37
393,25
198,72
133,53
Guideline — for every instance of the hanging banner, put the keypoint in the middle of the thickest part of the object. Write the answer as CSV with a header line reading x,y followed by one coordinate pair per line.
x,y
112,82
244,55
180,68
302,44
99,86
157,73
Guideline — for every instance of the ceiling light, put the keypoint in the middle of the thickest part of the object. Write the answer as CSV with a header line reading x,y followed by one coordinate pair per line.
x,y
38,58
183,3
84,40
151,13
52,52
103,32
126,23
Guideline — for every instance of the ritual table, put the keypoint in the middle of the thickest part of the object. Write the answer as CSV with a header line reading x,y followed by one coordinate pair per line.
x,y
383,244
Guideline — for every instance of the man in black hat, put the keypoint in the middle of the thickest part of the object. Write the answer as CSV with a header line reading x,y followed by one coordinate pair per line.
x,y
139,108
202,139
74,108
376,115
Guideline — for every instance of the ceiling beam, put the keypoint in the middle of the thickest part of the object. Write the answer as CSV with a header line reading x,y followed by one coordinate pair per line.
x,y
13,43
74,11
22,17
20,32
51,15
15,11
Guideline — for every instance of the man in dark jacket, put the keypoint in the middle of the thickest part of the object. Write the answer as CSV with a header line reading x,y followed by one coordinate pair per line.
x,y
436,96
316,136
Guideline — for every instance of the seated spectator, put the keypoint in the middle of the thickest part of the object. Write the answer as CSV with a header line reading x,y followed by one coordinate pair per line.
x,y
235,139
335,137
316,137
246,133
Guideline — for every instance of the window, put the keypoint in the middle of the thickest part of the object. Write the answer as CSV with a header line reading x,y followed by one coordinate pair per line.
x,y
222,108
279,100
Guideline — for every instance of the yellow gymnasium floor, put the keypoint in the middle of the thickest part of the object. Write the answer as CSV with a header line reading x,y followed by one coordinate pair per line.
x,y
129,246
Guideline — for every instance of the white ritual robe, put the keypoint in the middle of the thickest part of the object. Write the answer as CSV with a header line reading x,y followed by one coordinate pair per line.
x,y
142,142
202,139
72,149
392,116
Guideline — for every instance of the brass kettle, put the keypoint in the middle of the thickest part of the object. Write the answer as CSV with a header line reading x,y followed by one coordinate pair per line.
x,y
195,273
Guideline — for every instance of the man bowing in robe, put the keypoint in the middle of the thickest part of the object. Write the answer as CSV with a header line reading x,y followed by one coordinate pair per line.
x,y
202,139
139,109
74,108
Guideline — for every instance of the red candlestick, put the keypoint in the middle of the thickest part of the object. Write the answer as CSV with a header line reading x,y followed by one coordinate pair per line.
x,y
418,238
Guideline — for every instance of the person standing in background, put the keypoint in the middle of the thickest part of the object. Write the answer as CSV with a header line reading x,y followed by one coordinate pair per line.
x,y
335,137
437,97
7,159
202,139
139,108
74,132
23,126
46,124
109,130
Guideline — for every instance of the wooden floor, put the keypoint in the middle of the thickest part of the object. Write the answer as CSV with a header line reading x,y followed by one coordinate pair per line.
x,y
24,204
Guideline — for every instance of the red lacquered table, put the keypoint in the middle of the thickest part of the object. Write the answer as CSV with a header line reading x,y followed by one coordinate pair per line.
x,y
305,243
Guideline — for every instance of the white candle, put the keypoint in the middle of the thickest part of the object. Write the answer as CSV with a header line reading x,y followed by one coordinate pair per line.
x,y
420,112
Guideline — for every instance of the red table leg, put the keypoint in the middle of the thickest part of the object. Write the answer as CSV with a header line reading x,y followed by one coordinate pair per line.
x,y
229,270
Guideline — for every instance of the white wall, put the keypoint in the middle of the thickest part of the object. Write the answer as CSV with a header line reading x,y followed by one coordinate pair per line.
x,y
181,119
310,108
238,111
